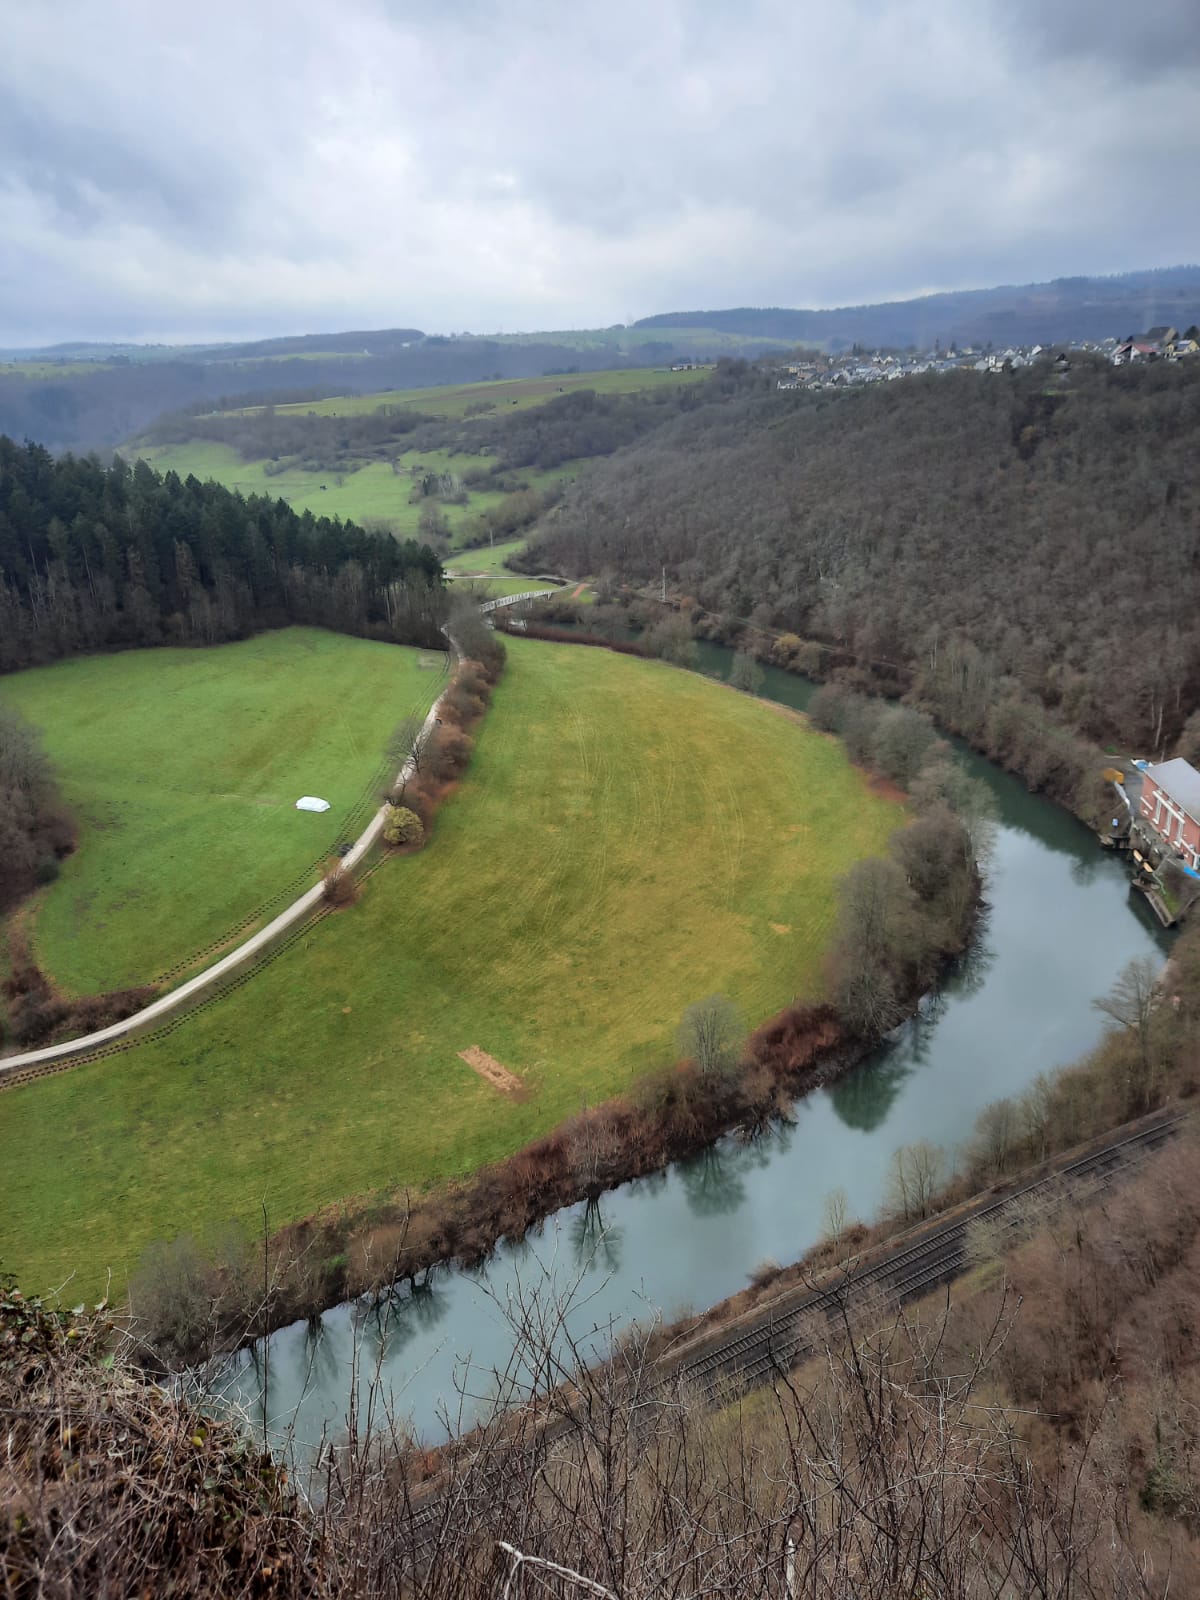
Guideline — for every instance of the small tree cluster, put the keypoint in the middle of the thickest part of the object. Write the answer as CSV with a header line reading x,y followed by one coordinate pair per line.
x,y
403,826
35,829
898,916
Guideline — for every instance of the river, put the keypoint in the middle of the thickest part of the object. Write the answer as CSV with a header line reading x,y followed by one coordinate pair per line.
x,y
1060,924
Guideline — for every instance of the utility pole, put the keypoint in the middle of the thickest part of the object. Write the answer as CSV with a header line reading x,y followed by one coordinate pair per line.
x,y
664,586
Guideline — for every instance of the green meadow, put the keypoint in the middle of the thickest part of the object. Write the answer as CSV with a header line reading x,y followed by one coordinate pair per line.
x,y
183,768
488,559
629,839
373,492
378,491
504,394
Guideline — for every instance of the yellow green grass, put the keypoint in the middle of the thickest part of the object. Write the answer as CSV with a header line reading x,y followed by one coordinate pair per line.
x,y
629,839
46,369
506,394
183,768
489,559
488,588
371,493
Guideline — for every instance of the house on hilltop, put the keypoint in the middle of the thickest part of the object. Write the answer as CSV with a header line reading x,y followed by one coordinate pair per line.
x,y
1135,350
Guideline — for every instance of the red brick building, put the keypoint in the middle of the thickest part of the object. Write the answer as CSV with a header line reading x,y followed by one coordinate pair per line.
x,y
1170,807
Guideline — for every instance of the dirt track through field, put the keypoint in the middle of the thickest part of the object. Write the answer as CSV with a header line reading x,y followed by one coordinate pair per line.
x,y
491,1070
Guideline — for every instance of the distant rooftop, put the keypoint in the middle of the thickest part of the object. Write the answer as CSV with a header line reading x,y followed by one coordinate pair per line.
x,y
1181,781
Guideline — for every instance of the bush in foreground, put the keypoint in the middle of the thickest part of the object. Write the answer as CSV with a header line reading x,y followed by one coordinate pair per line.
x,y
403,827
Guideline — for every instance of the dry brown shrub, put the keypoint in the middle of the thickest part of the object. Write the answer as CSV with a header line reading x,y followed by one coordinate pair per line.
x,y
450,753
338,887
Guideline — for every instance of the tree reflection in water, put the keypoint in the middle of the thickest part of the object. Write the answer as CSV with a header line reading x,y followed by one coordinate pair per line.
x,y
385,1324
321,1356
592,1243
864,1096
712,1183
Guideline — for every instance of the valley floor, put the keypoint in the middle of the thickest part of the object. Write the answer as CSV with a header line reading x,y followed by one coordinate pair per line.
x,y
629,839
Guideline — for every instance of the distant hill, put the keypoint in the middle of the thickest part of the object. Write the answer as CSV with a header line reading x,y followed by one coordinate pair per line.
x,y
379,342
82,395
1033,313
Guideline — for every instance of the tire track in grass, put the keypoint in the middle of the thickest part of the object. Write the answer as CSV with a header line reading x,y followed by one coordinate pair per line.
x,y
530,904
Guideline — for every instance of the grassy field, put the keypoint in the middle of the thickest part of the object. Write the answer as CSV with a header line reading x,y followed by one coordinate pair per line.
x,y
184,766
489,588
488,559
46,369
629,839
372,493
505,394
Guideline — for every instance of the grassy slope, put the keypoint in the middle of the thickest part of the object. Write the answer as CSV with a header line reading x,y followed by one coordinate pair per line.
x,y
374,491
630,838
486,559
184,767
506,394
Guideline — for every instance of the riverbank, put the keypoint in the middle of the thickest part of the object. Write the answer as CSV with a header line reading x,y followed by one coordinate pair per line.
x,y
1057,928
669,1114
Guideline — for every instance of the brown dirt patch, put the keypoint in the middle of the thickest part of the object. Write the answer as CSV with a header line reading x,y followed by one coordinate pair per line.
x,y
578,590
885,788
780,927
491,1070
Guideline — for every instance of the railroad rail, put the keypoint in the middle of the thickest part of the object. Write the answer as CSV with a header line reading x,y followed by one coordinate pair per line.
x,y
778,1339
772,1340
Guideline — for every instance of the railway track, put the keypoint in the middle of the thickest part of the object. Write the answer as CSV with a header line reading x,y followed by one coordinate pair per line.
x,y
777,1339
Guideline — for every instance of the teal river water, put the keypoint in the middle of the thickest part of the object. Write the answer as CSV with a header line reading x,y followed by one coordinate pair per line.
x,y
1060,924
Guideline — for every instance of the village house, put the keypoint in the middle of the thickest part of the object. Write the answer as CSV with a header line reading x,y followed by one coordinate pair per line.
x,y
1134,350
1170,807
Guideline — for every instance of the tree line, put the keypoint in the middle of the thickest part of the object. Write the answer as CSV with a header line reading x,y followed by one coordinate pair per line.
x,y
35,827
96,406
96,557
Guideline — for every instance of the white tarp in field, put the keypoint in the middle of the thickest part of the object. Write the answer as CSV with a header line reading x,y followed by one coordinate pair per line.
x,y
310,802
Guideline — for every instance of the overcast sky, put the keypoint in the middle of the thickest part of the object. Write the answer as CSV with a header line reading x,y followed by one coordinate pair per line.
x,y
246,167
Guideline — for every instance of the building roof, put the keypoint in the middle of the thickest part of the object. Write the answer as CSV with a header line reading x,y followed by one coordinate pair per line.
x,y
1181,781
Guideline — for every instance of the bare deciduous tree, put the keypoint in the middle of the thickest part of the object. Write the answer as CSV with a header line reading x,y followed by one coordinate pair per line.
x,y
1132,1003
916,1172
836,1215
712,1034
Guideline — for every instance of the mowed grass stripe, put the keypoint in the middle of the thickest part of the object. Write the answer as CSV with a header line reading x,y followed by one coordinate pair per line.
x,y
628,840
183,768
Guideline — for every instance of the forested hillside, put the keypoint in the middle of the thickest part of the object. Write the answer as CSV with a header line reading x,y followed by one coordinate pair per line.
x,y
95,558
566,427
94,405
1036,530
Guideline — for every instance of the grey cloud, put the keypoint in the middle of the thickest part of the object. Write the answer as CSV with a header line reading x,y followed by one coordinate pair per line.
x,y
285,166
84,171
1148,38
